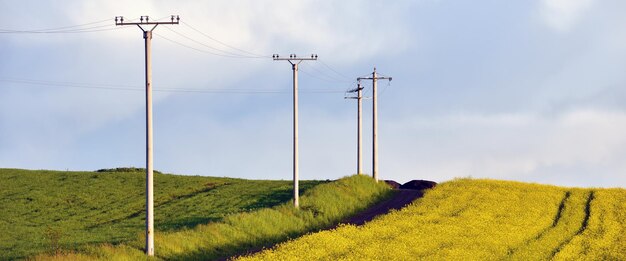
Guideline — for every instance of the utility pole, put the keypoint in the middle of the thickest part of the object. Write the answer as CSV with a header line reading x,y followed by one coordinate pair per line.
x,y
294,60
147,36
359,144
374,79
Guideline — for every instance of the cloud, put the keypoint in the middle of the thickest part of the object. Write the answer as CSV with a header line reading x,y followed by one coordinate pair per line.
x,y
303,27
528,147
562,15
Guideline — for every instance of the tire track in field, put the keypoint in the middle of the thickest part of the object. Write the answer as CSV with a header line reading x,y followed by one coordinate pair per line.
x,y
583,225
574,207
555,222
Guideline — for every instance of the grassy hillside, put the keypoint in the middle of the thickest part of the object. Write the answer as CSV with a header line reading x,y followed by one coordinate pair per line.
x,y
320,207
44,211
480,220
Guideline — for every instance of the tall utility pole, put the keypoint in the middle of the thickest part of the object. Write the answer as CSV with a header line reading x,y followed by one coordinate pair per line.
x,y
147,36
294,60
359,124
374,79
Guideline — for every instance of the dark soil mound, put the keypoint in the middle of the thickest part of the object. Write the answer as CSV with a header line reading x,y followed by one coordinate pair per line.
x,y
393,184
419,184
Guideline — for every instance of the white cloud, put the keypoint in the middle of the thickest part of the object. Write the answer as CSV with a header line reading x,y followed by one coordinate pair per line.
x,y
528,147
322,27
561,15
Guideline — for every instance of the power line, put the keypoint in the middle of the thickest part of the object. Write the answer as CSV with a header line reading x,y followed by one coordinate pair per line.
x,y
324,76
81,28
241,53
385,88
333,70
193,48
201,50
226,53
224,44
72,84
53,29
122,87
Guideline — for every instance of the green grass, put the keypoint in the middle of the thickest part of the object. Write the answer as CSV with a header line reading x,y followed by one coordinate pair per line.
x,y
469,219
50,211
320,207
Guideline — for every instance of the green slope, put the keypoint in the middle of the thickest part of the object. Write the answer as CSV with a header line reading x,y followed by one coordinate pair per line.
x,y
44,211
320,207
469,219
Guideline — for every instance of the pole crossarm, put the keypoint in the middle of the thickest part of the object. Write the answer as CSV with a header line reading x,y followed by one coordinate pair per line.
x,y
356,89
377,78
144,20
293,57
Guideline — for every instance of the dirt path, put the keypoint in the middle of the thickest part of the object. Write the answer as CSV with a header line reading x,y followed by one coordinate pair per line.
x,y
401,198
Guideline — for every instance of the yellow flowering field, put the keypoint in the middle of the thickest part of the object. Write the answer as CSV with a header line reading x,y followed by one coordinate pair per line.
x,y
467,219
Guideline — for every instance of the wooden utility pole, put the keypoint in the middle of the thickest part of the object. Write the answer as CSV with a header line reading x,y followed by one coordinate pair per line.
x,y
294,61
374,79
359,124
147,36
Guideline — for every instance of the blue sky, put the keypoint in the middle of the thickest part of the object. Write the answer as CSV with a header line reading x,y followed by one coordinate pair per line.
x,y
518,90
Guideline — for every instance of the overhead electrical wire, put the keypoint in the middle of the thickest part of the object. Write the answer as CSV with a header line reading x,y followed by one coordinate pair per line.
x,y
194,48
226,53
332,69
81,28
234,52
122,87
224,44
318,76
323,75
63,28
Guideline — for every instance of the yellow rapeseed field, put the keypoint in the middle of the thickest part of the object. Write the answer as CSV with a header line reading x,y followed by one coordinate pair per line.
x,y
468,219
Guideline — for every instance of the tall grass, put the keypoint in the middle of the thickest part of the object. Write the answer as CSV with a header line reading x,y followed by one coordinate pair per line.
x,y
320,207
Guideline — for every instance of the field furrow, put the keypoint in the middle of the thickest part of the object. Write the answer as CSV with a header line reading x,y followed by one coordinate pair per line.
x,y
605,233
557,218
570,216
582,227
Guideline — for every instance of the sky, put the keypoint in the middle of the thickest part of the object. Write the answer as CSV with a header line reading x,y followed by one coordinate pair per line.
x,y
531,91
